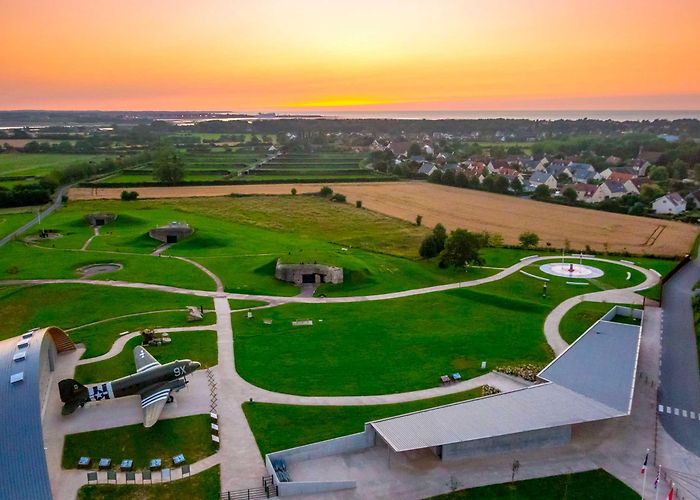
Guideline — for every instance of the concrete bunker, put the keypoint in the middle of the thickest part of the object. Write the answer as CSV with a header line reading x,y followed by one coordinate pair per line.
x,y
171,233
100,219
313,274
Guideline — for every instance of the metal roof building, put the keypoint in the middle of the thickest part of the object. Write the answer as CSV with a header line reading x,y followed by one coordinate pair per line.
x,y
25,363
592,380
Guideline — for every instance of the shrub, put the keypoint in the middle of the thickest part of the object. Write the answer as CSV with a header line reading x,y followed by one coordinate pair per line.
x,y
294,191
129,195
419,220
325,191
529,239
338,198
358,203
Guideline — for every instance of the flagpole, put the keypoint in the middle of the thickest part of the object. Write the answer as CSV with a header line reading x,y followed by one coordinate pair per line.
x,y
644,473
656,485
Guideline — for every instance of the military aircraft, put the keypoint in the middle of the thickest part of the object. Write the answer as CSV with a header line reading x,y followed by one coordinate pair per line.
x,y
152,381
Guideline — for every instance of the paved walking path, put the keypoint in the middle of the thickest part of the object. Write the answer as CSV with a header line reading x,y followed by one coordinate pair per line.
x,y
96,233
241,462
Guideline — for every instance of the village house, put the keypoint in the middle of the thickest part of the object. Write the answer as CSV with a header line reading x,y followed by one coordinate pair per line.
x,y
634,186
510,174
608,190
582,172
545,178
427,168
672,203
399,148
584,192
476,169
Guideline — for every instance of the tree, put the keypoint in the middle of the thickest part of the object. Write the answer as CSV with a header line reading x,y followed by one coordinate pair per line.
x,y
325,191
658,173
637,209
541,192
414,150
429,247
462,249
696,172
358,203
570,194
419,220
339,198
294,191
649,192
168,165
440,233
129,195
516,186
500,184
529,239
678,169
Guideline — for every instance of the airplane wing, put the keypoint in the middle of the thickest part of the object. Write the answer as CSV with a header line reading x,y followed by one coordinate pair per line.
x,y
152,403
143,360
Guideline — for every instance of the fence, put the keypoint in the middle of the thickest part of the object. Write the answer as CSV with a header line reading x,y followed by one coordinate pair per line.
x,y
267,490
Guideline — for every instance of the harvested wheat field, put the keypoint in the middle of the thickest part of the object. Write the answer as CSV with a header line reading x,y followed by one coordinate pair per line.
x,y
473,210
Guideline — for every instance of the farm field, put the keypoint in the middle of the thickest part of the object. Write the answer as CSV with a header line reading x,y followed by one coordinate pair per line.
x,y
474,210
202,486
397,349
278,427
167,438
39,164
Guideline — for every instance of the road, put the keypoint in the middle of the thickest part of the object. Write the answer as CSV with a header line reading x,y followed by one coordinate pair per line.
x,y
47,211
680,381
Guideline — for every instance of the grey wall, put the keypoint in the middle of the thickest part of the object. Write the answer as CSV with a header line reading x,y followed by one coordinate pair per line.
x,y
555,436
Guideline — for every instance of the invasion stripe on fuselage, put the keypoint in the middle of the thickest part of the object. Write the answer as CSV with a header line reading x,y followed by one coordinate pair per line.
x,y
148,366
154,397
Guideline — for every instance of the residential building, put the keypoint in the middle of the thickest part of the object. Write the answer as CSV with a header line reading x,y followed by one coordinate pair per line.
x,y
427,168
584,192
608,190
545,178
672,203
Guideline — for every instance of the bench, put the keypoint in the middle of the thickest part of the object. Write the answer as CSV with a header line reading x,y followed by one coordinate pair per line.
x,y
456,377
445,379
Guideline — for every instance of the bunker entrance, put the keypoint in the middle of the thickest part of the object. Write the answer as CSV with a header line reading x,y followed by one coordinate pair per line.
x,y
171,238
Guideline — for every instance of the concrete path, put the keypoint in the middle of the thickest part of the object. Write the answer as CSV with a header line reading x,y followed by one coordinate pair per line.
x,y
96,230
57,200
241,463
214,277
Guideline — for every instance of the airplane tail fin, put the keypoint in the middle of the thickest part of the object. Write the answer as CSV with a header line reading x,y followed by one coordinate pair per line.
x,y
73,393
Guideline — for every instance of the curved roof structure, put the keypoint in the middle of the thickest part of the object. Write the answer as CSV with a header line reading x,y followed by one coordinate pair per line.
x,y
23,460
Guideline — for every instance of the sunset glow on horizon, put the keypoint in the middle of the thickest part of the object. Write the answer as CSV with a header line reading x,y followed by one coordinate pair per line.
x,y
313,55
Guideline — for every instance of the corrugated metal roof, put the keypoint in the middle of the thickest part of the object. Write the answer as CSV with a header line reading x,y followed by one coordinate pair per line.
x,y
592,380
22,460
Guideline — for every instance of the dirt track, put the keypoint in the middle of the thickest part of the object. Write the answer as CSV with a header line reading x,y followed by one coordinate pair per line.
x,y
474,210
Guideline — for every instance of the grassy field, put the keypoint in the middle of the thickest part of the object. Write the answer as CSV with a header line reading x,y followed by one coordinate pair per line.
x,y
202,486
397,345
278,427
190,436
19,305
10,221
596,484
98,338
40,164
580,317
197,346
240,239
405,344
20,261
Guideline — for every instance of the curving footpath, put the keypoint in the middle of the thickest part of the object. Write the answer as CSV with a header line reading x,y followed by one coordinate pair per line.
x,y
239,457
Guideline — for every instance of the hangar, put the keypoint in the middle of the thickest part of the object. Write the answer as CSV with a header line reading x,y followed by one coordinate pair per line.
x,y
26,363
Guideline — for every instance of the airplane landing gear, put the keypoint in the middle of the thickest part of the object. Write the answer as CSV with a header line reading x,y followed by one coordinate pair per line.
x,y
170,399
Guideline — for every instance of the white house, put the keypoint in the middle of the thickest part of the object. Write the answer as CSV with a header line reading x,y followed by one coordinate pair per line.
x,y
672,203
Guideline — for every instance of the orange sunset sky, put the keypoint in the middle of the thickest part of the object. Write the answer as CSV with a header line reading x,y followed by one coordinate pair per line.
x,y
311,55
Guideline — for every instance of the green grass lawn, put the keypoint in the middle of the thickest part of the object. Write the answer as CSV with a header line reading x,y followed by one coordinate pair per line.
x,y
596,484
580,317
405,344
40,164
10,221
396,345
20,261
98,338
68,306
197,346
278,427
202,486
190,436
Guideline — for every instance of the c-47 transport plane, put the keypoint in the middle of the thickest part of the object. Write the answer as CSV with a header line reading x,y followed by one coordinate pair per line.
x,y
152,381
